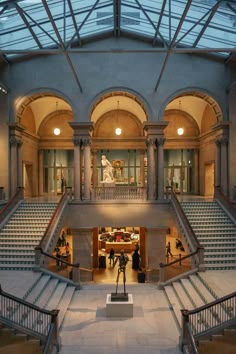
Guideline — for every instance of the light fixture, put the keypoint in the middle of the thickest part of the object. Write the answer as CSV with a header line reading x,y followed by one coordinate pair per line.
x,y
180,131
57,131
3,89
118,130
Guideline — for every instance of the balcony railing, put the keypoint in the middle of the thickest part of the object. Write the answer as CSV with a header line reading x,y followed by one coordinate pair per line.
x,y
119,193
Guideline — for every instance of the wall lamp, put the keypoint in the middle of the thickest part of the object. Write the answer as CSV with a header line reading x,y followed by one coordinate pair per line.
x,y
3,89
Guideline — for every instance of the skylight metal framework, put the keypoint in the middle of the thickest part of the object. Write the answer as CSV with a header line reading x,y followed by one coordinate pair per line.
x,y
170,26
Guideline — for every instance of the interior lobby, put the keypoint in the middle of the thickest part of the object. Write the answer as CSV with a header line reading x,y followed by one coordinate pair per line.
x,y
119,112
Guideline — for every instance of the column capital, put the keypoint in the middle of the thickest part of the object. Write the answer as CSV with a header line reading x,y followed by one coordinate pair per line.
x,y
160,141
151,142
86,141
77,141
15,142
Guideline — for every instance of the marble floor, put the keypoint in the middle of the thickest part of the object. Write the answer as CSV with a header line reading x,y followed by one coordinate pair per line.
x,y
87,330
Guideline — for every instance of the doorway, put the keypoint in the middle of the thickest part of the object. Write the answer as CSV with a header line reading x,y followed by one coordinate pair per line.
x,y
118,238
28,179
209,179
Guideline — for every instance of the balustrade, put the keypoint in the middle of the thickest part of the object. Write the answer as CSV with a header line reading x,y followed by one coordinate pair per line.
x,y
119,193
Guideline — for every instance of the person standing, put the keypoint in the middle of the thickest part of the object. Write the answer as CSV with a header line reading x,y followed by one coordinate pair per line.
x,y
168,250
112,256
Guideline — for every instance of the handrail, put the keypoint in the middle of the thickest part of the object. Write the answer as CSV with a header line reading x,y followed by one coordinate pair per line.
x,y
163,265
75,266
185,223
212,303
51,222
218,194
29,318
38,248
207,319
5,211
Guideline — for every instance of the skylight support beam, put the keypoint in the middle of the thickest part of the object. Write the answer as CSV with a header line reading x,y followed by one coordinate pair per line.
x,y
83,22
159,23
151,22
117,17
61,43
213,11
199,21
74,22
173,42
21,13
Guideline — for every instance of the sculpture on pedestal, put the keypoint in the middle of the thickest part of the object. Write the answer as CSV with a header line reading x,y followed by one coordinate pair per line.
x,y
107,171
123,259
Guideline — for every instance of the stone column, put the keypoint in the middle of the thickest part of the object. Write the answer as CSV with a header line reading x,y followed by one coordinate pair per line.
x,y
156,248
151,171
196,171
160,168
141,176
95,170
218,163
87,168
82,251
224,166
77,168
19,164
40,172
13,165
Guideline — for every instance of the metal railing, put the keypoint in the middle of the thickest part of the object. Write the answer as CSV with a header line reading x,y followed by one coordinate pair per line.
x,y
75,272
30,319
197,254
6,210
119,193
206,320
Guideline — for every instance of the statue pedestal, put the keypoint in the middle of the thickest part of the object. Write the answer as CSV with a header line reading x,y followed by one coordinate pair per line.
x,y
108,184
119,308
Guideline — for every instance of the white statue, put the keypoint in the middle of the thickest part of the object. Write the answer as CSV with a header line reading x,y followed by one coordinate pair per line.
x,y
107,170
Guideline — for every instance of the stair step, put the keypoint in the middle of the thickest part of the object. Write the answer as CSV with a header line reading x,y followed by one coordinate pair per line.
x,y
175,304
64,303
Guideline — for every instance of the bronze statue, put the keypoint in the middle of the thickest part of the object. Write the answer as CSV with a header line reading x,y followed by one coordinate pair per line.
x,y
123,259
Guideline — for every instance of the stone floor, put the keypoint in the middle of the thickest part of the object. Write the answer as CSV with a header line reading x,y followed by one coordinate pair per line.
x,y
87,330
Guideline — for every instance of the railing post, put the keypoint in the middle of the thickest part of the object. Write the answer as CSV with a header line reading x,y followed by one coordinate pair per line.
x,y
37,258
162,276
56,337
69,192
201,266
76,275
184,335
180,263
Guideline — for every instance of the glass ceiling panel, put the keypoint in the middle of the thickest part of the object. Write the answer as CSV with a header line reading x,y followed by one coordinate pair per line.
x,y
29,26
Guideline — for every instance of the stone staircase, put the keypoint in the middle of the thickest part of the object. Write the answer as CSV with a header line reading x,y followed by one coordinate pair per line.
x,y
22,233
193,292
46,292
215,231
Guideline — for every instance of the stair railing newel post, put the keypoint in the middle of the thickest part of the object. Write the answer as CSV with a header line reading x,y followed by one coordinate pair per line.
x,y
162,277
38,257
56,336
76,274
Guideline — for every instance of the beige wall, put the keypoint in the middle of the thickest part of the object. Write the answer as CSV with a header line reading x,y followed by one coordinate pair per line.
x,y
29,152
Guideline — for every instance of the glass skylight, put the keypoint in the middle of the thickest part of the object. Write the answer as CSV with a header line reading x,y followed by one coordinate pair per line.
x,y
30,25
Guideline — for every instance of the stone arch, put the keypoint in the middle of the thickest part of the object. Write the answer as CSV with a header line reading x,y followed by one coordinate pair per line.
x,y
121,92
178,119
59,119
195,92
24,102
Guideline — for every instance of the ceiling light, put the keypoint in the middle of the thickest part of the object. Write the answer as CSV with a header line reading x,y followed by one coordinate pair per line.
x,y
57,131
118,131
180,131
